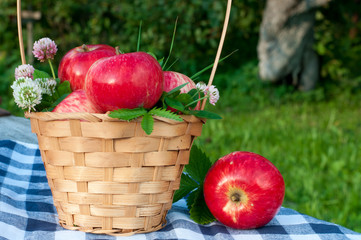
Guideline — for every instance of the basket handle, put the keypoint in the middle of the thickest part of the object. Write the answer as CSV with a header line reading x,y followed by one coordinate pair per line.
x,y
215,65
223,36
20,32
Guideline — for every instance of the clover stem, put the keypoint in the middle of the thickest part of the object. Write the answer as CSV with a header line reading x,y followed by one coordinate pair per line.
x,y
52,70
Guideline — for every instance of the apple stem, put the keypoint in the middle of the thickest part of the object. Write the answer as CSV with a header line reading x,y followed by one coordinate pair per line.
x,y
117,50
236,197
85,48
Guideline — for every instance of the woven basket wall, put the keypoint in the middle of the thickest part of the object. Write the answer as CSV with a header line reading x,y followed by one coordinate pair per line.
x,y
108,176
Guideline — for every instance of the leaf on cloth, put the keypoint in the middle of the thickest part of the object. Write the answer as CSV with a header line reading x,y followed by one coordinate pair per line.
x,y
199,164
199,211
191,197
191,186
187,185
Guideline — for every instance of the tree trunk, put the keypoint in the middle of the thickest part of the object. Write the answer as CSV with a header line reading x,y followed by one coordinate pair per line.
x,y
285,46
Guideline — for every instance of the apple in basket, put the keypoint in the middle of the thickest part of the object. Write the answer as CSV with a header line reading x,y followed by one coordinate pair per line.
x,y
76,101
75,64
175,79
244,190
128,80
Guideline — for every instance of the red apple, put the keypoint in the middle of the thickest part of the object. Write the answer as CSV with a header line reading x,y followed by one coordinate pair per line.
x,y
75,64
175,79
244,190
127,80
76,102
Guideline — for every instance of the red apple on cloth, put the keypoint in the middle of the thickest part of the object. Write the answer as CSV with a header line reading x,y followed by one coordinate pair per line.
x,y
75,64
76,101
244,190
175,79
129,80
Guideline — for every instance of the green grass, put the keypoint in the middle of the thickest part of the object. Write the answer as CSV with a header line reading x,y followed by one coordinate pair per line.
x,y
312,138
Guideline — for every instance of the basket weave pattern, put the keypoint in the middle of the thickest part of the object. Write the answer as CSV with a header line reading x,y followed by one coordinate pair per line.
x,y
107,175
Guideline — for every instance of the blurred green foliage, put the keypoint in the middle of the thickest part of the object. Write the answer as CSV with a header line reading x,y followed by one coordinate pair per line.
x,y
338,42
72,23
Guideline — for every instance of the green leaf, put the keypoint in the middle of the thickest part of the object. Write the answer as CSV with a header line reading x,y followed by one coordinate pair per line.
x,y
161,61
196,95
187,185
172,64
174,104
199,164
184,98
43,106
147,123
199,211
63,88
61,98
46,98
205,114
139,36
153,55
171,45
176,89
192,185
127,114
210,66
40,74
165,113
46,103
193,92
173,95
191,198
51,106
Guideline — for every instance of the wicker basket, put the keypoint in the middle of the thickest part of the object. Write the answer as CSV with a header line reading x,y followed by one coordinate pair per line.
x,y
106,175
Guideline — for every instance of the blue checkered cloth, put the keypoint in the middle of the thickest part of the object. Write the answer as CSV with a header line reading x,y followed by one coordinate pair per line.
x,y
27,210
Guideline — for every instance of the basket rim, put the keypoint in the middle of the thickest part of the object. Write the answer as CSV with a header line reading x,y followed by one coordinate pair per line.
x,y
99,117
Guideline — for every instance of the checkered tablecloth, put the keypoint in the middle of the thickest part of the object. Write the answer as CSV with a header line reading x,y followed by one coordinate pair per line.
x,y
27,210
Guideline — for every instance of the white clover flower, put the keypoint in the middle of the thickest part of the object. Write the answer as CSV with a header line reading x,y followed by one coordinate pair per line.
x,y
44,49
18,81
213,94
27,93
201,86
25,70
47,85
